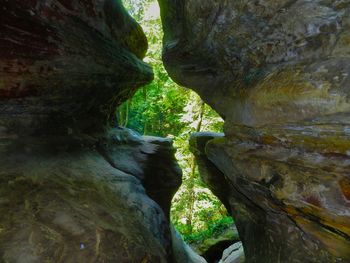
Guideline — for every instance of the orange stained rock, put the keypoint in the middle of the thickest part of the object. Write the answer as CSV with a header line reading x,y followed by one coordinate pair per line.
x,y
345,187
335,244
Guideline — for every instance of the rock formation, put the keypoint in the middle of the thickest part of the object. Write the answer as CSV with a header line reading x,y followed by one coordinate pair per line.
x,y
278,72
182,252
76,199
213,247
66,65
233,254
72,189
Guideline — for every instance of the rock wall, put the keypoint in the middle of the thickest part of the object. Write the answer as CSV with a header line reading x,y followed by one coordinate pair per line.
x,y
278,72
74,199
66,65
71,188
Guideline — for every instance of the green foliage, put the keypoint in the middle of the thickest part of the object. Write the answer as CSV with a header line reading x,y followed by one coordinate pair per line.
x,y
156,108
214,228
165,109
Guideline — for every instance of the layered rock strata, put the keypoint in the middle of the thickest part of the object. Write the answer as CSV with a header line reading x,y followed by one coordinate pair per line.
x,y
66,65
76,199
278,72
72,189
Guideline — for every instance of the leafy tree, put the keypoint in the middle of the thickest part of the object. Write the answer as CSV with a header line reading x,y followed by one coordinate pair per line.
x,y
165,109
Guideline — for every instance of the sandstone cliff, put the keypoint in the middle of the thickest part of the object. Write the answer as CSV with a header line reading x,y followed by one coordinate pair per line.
x,y
278,72
72,189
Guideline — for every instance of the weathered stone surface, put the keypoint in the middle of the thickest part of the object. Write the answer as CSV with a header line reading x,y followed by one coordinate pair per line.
x,y
66,201
66,65
70,189
182,253
261,62
278,72
212,248
159,173
233,254
217,184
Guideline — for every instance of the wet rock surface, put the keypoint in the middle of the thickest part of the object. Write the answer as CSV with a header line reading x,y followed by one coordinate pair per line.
x,y
278,72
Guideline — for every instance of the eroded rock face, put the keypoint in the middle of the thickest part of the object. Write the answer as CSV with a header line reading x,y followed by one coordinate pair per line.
x,y
270,61
212,248
278,72
66,65
65,200
182,252
233,254
71,190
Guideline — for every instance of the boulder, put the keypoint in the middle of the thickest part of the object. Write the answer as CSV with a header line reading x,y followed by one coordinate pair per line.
x,y
233,254
278,73
212,248
183,253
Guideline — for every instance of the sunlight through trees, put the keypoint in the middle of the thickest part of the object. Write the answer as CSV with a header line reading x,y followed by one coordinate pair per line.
x,y
165,109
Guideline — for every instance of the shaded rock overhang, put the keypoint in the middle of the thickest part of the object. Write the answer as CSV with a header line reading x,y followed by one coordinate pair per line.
x,y
66,65
73,189
278,72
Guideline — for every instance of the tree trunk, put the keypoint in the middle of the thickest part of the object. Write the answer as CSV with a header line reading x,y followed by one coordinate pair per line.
x,y
192,193
127,106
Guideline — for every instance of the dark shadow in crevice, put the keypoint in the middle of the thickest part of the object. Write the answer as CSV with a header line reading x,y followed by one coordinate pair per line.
x,y
214,253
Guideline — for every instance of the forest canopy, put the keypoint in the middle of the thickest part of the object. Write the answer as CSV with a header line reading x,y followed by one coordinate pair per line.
x,y
165,109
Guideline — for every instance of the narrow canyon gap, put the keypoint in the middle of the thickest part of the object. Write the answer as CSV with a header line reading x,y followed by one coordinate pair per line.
x,y
163,108
74,189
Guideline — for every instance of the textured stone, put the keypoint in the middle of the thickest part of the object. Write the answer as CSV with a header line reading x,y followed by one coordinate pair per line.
x,y
261,62
66,65
72,190
159,173
217,184
233,254
65,201
278,72
212,248
183,252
